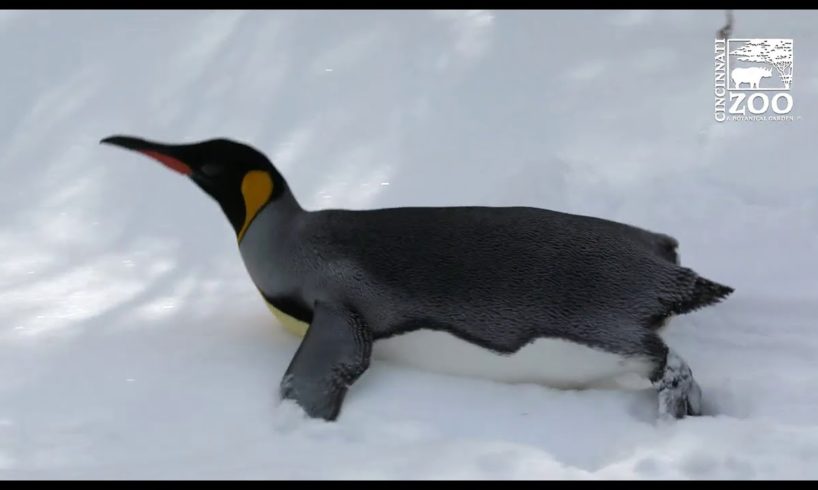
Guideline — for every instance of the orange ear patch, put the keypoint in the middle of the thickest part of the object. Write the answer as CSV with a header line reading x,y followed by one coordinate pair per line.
x,y
256,187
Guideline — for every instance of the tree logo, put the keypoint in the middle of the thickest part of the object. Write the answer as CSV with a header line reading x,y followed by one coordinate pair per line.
x,y
753,78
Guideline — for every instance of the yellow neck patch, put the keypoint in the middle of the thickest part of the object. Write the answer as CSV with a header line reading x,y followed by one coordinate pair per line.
x,y
256,187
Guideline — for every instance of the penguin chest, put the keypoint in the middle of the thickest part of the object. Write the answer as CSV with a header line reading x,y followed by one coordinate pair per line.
x,y
546,361
290,323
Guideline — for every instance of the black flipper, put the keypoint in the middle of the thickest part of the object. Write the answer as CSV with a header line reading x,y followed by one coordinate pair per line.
x,y
334,353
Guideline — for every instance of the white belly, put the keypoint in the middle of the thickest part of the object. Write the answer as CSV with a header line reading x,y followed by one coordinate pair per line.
x,y
549,362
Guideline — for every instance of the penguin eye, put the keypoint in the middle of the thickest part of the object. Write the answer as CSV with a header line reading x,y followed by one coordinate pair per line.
x,y
212,169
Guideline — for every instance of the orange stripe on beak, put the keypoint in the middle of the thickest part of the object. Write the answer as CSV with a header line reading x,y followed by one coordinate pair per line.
x,y
170,162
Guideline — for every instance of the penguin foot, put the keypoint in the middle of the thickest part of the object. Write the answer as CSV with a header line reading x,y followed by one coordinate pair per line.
x,y
679,394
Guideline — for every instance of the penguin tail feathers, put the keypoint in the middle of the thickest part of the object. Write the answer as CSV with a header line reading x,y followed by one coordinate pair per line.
x,y
704,293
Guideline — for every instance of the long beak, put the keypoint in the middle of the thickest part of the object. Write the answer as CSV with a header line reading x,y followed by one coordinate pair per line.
x,y
165,154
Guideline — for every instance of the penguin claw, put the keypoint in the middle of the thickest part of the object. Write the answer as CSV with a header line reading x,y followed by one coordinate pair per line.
x,y
674,408
679,394
694,399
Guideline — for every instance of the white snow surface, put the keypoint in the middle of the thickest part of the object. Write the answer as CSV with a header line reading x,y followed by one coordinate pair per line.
x,y
133,345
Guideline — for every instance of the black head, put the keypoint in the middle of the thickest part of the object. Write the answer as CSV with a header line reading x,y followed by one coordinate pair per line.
x,y
240,178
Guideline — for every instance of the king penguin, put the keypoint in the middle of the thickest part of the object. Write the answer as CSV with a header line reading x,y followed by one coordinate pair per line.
x,y
543,295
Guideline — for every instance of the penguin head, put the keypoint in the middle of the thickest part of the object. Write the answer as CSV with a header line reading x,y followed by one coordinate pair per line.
x,y
240,178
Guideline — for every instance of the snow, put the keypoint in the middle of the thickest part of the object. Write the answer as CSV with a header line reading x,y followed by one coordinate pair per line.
x,y
134,346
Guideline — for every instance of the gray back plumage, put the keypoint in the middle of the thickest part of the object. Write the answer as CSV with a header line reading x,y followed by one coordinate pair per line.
x,y
523,271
